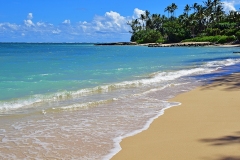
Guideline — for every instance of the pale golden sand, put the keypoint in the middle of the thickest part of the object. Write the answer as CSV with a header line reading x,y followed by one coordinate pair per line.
x,y
206,127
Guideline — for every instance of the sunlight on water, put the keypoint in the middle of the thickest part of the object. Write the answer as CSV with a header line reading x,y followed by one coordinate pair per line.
x,y
78,101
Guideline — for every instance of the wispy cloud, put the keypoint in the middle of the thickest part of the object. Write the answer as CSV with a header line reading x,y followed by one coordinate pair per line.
x,y
137,12
229,5
111,26
67,21
30,16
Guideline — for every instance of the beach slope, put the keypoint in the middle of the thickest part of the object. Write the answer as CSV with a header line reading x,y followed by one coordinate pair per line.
x,y
206,127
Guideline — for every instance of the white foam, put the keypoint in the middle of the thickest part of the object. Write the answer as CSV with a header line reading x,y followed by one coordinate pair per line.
x,y
85,105
16,104
154,78
118,140
227,62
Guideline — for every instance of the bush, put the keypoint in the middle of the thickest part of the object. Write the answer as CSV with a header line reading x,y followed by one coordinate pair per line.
x,y
230,32
213,31
147,36
238,35
214,39
203,39
160,40
225,39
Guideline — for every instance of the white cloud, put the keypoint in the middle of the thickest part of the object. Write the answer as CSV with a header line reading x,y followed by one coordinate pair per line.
x,y
28,23
41,24
108,27
30,16
137,12
110,22
67,21
116,18
230,5
57,31
9,26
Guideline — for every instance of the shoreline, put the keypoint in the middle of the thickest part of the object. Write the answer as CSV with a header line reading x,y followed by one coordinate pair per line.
x,y
194,130
180,44
117,141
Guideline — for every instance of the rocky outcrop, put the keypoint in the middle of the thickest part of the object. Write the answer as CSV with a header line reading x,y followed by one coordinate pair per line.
x,y
185,44
116,43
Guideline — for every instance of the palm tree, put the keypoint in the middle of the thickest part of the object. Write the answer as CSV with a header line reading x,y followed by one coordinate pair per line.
x,y
147,15
142,17
219,13
200,17
194,7
147,19
173,8
134,24
187,9
192,24
215,3
168,10
208,3
208,11
204,16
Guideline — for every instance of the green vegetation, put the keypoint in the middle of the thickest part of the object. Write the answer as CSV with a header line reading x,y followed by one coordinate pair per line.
x,y
217,39
198,23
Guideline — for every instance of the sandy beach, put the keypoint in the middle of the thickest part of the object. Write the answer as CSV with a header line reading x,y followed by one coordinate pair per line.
x,y
206,127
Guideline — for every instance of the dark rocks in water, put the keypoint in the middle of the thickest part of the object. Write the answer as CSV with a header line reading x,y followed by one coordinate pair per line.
x,y
186,44
116,43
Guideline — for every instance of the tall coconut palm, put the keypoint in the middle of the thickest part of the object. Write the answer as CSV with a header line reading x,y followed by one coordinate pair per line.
x,y
192,24
147,19
167,9
215,3
208,11
134,24
173,8
194,7
156,21
208,3
147,15
142,18
200,17
187,8
219,13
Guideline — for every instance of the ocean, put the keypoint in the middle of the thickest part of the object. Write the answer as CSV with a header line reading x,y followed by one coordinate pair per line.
x,y
78,101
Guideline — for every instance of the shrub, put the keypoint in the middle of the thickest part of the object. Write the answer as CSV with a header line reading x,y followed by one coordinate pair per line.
x,y
160,40
147,36
230,32
214,39
225,39
238,35
213,31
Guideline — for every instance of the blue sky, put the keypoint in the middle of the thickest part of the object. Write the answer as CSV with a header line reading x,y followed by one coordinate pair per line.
x,y
78,20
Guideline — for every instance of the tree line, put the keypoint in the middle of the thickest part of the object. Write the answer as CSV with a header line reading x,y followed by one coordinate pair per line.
x,y
198,22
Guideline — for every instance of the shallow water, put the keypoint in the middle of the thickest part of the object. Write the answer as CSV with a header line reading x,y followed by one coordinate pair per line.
x,y
77,101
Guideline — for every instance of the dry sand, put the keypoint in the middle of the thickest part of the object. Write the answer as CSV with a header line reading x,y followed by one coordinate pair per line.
x,y
206,127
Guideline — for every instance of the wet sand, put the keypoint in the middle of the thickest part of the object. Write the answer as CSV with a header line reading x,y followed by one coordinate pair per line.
x,y
206,127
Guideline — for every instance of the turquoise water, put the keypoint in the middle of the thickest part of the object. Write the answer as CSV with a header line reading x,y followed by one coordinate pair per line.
x,y
95,94
30,69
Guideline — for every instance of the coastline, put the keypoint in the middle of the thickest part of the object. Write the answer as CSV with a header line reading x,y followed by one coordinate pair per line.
x,y
181,44
87,121
203,127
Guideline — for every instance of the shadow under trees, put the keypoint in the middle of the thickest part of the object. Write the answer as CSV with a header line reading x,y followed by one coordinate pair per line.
x,y
232,139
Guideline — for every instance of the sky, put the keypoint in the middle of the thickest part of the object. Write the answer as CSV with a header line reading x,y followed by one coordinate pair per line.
x,y
79,20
